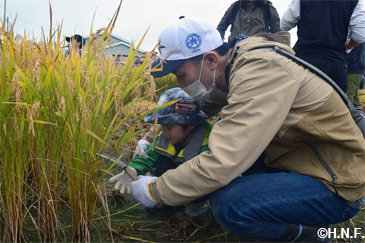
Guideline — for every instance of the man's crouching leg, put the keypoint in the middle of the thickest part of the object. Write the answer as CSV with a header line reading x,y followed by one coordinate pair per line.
x,y
274,206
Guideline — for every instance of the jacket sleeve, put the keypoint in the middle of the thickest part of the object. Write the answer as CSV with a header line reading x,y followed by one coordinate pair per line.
x,y
225,22
258,103
275,19
291,16
357,22
145,164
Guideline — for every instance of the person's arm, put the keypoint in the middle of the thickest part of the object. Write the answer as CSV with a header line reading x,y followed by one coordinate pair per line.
x,y
258,104
291,16
351,44
275,19
225,22
145,164
140,165
357,26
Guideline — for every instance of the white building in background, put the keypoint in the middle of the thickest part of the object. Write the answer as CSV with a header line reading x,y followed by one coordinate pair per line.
x,y
117,46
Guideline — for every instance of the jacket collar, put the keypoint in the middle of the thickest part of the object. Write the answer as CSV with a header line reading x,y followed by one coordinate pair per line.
x,y
281,39
164,147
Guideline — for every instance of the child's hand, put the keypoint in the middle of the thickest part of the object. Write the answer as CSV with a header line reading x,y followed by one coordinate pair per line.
x,y
123,181
141,148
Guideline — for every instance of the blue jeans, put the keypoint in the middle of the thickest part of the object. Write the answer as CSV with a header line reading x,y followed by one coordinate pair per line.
x,y
261,206
335,70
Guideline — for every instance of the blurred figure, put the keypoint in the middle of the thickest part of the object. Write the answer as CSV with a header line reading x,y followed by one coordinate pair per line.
x,y
75,41
355,68
323,27
249,17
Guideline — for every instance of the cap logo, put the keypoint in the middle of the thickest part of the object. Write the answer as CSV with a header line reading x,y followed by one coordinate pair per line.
x,y
193,42
184,108
159,46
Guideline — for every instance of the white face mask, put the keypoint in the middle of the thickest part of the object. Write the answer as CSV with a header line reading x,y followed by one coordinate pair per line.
x,y
197,90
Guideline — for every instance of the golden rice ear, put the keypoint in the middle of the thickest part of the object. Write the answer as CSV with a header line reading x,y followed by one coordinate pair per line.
x,y
57,113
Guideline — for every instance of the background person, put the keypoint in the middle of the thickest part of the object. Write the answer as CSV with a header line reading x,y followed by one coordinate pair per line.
x,y
314,150
77,42
323,28
249,17
355,68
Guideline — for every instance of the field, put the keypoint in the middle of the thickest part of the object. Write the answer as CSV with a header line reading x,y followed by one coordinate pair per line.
x,y
57,113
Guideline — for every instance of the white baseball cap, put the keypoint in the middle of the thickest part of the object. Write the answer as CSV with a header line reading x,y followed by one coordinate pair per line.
x,y
183,39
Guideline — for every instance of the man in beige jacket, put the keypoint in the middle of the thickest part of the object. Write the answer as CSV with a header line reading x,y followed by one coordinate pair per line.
x,y
315,153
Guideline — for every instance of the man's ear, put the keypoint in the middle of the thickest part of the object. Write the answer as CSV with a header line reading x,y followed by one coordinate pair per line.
x,y
212,59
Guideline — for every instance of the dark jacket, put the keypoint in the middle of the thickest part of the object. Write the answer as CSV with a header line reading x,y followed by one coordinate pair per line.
x,y
256,17
323,28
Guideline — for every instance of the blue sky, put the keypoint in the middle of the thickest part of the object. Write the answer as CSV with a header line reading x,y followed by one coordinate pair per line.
x,y
135,17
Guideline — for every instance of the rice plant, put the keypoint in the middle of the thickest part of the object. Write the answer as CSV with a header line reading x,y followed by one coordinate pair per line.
x,y
165,83
57,113
14,139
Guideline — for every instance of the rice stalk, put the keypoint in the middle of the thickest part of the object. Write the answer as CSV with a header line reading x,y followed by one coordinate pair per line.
x,y
57,112
14,139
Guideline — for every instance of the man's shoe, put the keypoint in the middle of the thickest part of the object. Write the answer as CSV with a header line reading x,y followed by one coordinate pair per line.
x,y
300,233
192,210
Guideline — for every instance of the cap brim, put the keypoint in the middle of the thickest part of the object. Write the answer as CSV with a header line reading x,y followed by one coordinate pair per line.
x,y
181,119
167,67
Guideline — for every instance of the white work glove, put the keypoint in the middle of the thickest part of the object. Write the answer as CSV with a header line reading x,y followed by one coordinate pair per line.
x,y
141,193
141,148
348,50
123,181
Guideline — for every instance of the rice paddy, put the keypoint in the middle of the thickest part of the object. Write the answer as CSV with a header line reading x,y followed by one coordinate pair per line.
x,y
57,112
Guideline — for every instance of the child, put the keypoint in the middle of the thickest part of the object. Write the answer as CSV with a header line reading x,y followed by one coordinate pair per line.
x,y
184,134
